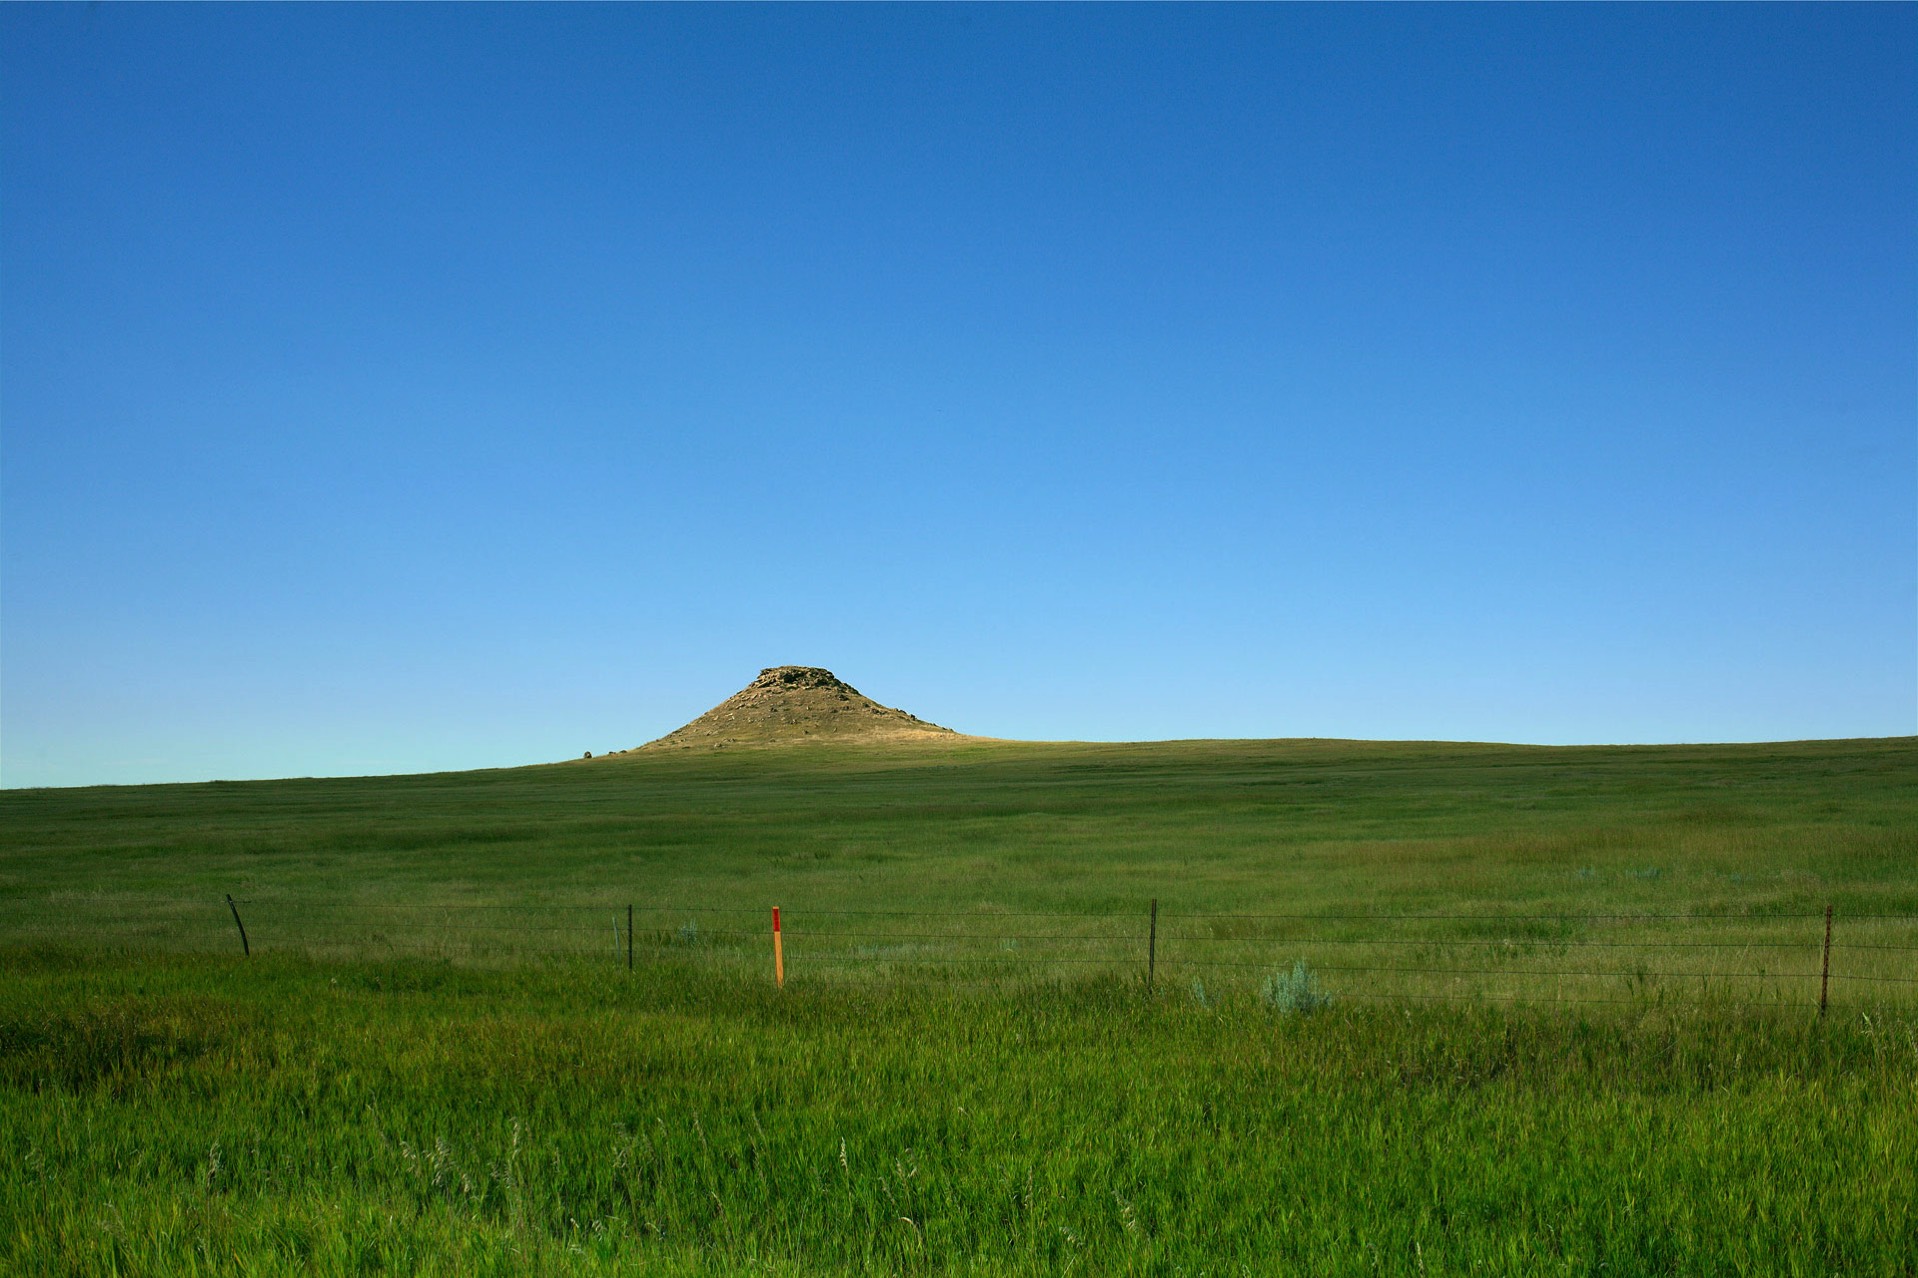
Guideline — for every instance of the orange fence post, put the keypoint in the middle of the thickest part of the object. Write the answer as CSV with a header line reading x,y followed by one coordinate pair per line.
x,y
779,953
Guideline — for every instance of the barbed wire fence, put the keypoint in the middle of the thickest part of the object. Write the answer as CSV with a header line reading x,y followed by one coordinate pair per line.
x,y
1786,959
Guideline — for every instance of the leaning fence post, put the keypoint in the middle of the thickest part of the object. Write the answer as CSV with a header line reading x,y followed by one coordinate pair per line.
x,y
629,938
779,953
1824,977
1152,945
245,949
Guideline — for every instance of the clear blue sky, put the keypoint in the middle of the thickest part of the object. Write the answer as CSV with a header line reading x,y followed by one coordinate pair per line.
x,y
391,389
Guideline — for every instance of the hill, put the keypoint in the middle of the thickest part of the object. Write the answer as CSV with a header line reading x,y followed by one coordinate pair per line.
x,y
793,705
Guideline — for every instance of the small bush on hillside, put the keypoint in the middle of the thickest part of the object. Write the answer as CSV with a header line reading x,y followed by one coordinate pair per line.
x,y
1294,991
688,934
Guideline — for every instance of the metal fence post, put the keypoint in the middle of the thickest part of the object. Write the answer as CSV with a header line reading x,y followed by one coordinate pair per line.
x,y
1152,945
1824,976
245,949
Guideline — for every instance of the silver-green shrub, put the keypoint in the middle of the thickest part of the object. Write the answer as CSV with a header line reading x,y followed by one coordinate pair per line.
x,y
1295,991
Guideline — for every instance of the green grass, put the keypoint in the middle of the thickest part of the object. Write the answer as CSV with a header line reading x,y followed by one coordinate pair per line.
x,y
191,1115
407,1077
502,866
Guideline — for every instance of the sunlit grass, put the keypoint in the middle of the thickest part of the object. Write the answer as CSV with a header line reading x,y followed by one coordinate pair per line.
x,y
284,1116
437,1060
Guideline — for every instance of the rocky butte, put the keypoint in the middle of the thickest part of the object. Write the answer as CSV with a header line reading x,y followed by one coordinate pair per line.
x,y
792,705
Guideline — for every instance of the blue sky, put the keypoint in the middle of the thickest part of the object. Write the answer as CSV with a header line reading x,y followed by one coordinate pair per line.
x,y
390,389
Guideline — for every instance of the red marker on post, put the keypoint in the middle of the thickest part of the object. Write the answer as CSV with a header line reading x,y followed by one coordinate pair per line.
x,y
779,953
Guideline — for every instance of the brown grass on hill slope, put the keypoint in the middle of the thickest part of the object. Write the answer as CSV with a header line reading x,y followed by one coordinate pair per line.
x,y
792,705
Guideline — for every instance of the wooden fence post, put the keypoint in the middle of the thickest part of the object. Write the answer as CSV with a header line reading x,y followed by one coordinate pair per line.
x,y
1824,977
245,949
1152,945
779,953
629,938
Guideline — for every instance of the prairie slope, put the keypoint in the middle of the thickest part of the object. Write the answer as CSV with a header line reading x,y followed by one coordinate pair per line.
x,y
951,822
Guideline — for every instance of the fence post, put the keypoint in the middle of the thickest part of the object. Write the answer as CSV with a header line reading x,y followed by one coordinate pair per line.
x,y
779,953
245,949
1824,977
629,938
1152,945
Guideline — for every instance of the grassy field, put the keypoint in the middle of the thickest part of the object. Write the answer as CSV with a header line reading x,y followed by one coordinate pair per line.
x,y
437,1061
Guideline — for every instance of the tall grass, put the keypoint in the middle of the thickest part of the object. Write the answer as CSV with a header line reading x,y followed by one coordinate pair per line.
x,y
198,1115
